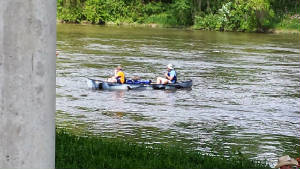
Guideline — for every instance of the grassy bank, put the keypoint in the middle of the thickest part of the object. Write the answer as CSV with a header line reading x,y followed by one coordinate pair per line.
x,y
288,24
96,152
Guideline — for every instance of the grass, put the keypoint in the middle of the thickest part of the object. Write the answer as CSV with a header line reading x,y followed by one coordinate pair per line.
x,y
96,152
163,19
289,24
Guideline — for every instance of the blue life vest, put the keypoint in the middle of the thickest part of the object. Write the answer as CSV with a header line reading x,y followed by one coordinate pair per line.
x,y
173,73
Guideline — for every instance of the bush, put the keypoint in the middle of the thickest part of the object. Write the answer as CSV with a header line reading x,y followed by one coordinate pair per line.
x,y
163,19
208,22
250,16
102,11
181,10
258,15
289,22
69,12
153,8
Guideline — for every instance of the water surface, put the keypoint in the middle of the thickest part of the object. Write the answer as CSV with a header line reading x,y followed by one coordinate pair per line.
x,y
245,96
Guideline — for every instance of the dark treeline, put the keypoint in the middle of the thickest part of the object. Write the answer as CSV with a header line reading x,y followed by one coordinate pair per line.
x,y
220,15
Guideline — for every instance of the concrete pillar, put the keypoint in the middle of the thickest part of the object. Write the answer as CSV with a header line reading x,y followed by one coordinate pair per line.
x,y
27,84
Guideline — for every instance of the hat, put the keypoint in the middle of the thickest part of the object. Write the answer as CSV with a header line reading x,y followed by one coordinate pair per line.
x,y
286,160
170,66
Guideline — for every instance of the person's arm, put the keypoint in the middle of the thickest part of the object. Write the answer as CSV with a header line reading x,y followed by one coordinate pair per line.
x,y
170,77
118,75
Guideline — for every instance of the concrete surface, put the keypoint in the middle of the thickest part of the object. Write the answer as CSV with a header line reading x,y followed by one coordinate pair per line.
x,y
27,84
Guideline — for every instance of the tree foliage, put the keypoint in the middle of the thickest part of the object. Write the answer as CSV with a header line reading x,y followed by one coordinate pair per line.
x,y
242,15
221,15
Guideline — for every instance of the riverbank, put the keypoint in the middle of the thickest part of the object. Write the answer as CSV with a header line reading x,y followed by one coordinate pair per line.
x,y
277,30
288,24
96,152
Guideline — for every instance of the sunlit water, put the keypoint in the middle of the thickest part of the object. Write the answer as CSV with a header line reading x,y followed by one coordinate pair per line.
x,y
245,95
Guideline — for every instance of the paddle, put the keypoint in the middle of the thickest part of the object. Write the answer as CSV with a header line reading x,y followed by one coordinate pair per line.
x,y
96,80
135,87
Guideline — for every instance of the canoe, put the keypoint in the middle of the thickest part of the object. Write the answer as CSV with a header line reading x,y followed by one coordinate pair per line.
x,y
103,85
178,85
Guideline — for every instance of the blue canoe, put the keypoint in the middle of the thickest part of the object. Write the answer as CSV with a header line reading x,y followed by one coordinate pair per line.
x,y
137,85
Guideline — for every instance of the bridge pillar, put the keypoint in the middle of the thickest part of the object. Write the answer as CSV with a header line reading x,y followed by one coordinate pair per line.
x,y
27,84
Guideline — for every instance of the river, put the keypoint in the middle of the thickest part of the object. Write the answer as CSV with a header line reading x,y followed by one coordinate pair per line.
x,y
245,94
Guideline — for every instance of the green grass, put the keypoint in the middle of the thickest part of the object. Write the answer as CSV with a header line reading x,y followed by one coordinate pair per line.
x,y
97,152
289,23
162,19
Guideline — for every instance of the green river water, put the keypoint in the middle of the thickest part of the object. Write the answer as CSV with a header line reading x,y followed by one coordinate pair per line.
x,y
245,94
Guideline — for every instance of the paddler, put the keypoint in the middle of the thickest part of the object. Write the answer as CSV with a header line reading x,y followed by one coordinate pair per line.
x,y
170,76
119,76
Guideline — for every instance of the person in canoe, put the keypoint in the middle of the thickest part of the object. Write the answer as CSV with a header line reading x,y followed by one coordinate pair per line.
x,y
170,76
119,76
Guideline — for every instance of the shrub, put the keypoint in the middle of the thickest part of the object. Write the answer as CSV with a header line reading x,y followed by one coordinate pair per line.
x,y
163,19
208,22
181,9
250,16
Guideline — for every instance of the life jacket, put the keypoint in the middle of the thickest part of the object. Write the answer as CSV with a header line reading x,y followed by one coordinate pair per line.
x,y
120,77
174,80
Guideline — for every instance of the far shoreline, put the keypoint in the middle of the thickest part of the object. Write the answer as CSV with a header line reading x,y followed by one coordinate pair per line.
x,y
156,25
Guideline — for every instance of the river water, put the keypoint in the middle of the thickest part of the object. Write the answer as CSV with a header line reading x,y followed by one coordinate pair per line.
x,y
245,97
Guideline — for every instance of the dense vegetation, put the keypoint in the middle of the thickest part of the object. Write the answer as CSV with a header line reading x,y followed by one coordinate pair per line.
x,y
96,152
220,15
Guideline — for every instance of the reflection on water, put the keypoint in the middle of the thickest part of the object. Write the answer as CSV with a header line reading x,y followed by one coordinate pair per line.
x,y
245,95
